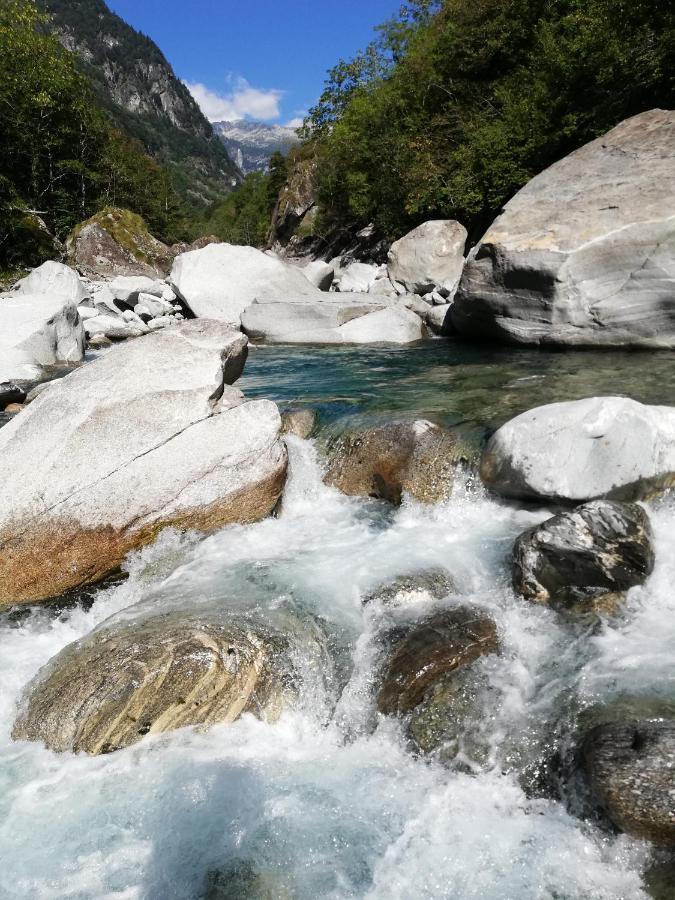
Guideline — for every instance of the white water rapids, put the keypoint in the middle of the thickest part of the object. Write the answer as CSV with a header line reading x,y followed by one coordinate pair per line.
x,y
329,806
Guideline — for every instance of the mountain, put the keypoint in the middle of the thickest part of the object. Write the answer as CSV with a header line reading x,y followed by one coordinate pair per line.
x,y
251,144
137,87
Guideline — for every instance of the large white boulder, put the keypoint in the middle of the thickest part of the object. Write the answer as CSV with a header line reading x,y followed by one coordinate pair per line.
x,y
583,450
221,280
54,279
319,273
337,320
37,331
356,278
429,257
147,436
584,254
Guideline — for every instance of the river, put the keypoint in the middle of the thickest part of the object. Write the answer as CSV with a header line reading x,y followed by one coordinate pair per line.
x,y
329,802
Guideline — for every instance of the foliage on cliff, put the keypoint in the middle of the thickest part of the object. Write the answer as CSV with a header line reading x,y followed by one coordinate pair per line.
x,y
458,103
59,155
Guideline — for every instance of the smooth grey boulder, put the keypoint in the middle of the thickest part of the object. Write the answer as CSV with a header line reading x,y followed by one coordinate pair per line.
x,y
439,320
200,667
37,331
356,278
429,257
116,328
334,319
148,436
221,280
583,450
128,288
598,548
54,279
584,254
630,767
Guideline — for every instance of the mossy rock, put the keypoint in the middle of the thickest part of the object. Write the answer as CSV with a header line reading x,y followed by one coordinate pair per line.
x,y
117,242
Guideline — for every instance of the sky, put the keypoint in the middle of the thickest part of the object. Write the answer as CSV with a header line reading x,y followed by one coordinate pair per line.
x,y
259,59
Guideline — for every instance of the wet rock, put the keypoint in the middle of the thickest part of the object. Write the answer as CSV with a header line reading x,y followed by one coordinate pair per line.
x,y
11,393
630,767
221,280
598,548
442,644
300,422
243,881
416,458
428,584
583,450
126,680
431,256
147,436
584,254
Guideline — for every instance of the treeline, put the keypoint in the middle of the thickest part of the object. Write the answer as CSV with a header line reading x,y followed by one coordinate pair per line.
x,y
458,103
60,157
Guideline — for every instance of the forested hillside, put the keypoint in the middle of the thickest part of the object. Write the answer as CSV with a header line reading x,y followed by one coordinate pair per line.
x,y
137,87
458,103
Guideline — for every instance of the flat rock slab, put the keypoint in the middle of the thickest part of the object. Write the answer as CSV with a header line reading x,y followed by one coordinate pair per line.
x,y
584,254
583,450
149,435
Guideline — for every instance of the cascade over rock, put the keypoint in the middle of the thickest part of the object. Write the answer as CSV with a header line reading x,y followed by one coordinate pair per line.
x,y
202,667
147,436
584,254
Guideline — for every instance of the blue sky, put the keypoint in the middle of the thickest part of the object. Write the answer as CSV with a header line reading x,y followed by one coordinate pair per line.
x,y
263,59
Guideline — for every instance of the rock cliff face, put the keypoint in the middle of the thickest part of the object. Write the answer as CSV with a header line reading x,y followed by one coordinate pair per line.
x,y
137,86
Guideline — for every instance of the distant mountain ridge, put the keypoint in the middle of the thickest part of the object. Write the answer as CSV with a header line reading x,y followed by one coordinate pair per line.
x,y
136,85
251,144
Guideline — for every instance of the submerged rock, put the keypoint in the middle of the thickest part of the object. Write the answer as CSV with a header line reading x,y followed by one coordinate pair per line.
x,y
598,548
584,254
631,772
427,584
415,458
300,422
430,650
583,450
127,680
147,436
430,257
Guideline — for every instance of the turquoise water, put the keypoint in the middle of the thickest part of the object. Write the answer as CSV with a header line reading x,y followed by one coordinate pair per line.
x,y
476,387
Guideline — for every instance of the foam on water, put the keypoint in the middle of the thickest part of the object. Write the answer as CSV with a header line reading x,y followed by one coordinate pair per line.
x,y
343,810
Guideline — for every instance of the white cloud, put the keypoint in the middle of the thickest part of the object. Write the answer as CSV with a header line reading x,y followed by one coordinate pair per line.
x,y
241,102
295,123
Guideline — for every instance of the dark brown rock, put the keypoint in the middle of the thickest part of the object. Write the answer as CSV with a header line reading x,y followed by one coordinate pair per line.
x,y
416,458
631,771
443,643
300,422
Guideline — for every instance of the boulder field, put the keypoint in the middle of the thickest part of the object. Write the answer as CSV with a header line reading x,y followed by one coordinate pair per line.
x,y
150,435
584,254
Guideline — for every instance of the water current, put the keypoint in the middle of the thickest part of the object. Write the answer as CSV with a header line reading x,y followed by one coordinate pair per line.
x,y
330,802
